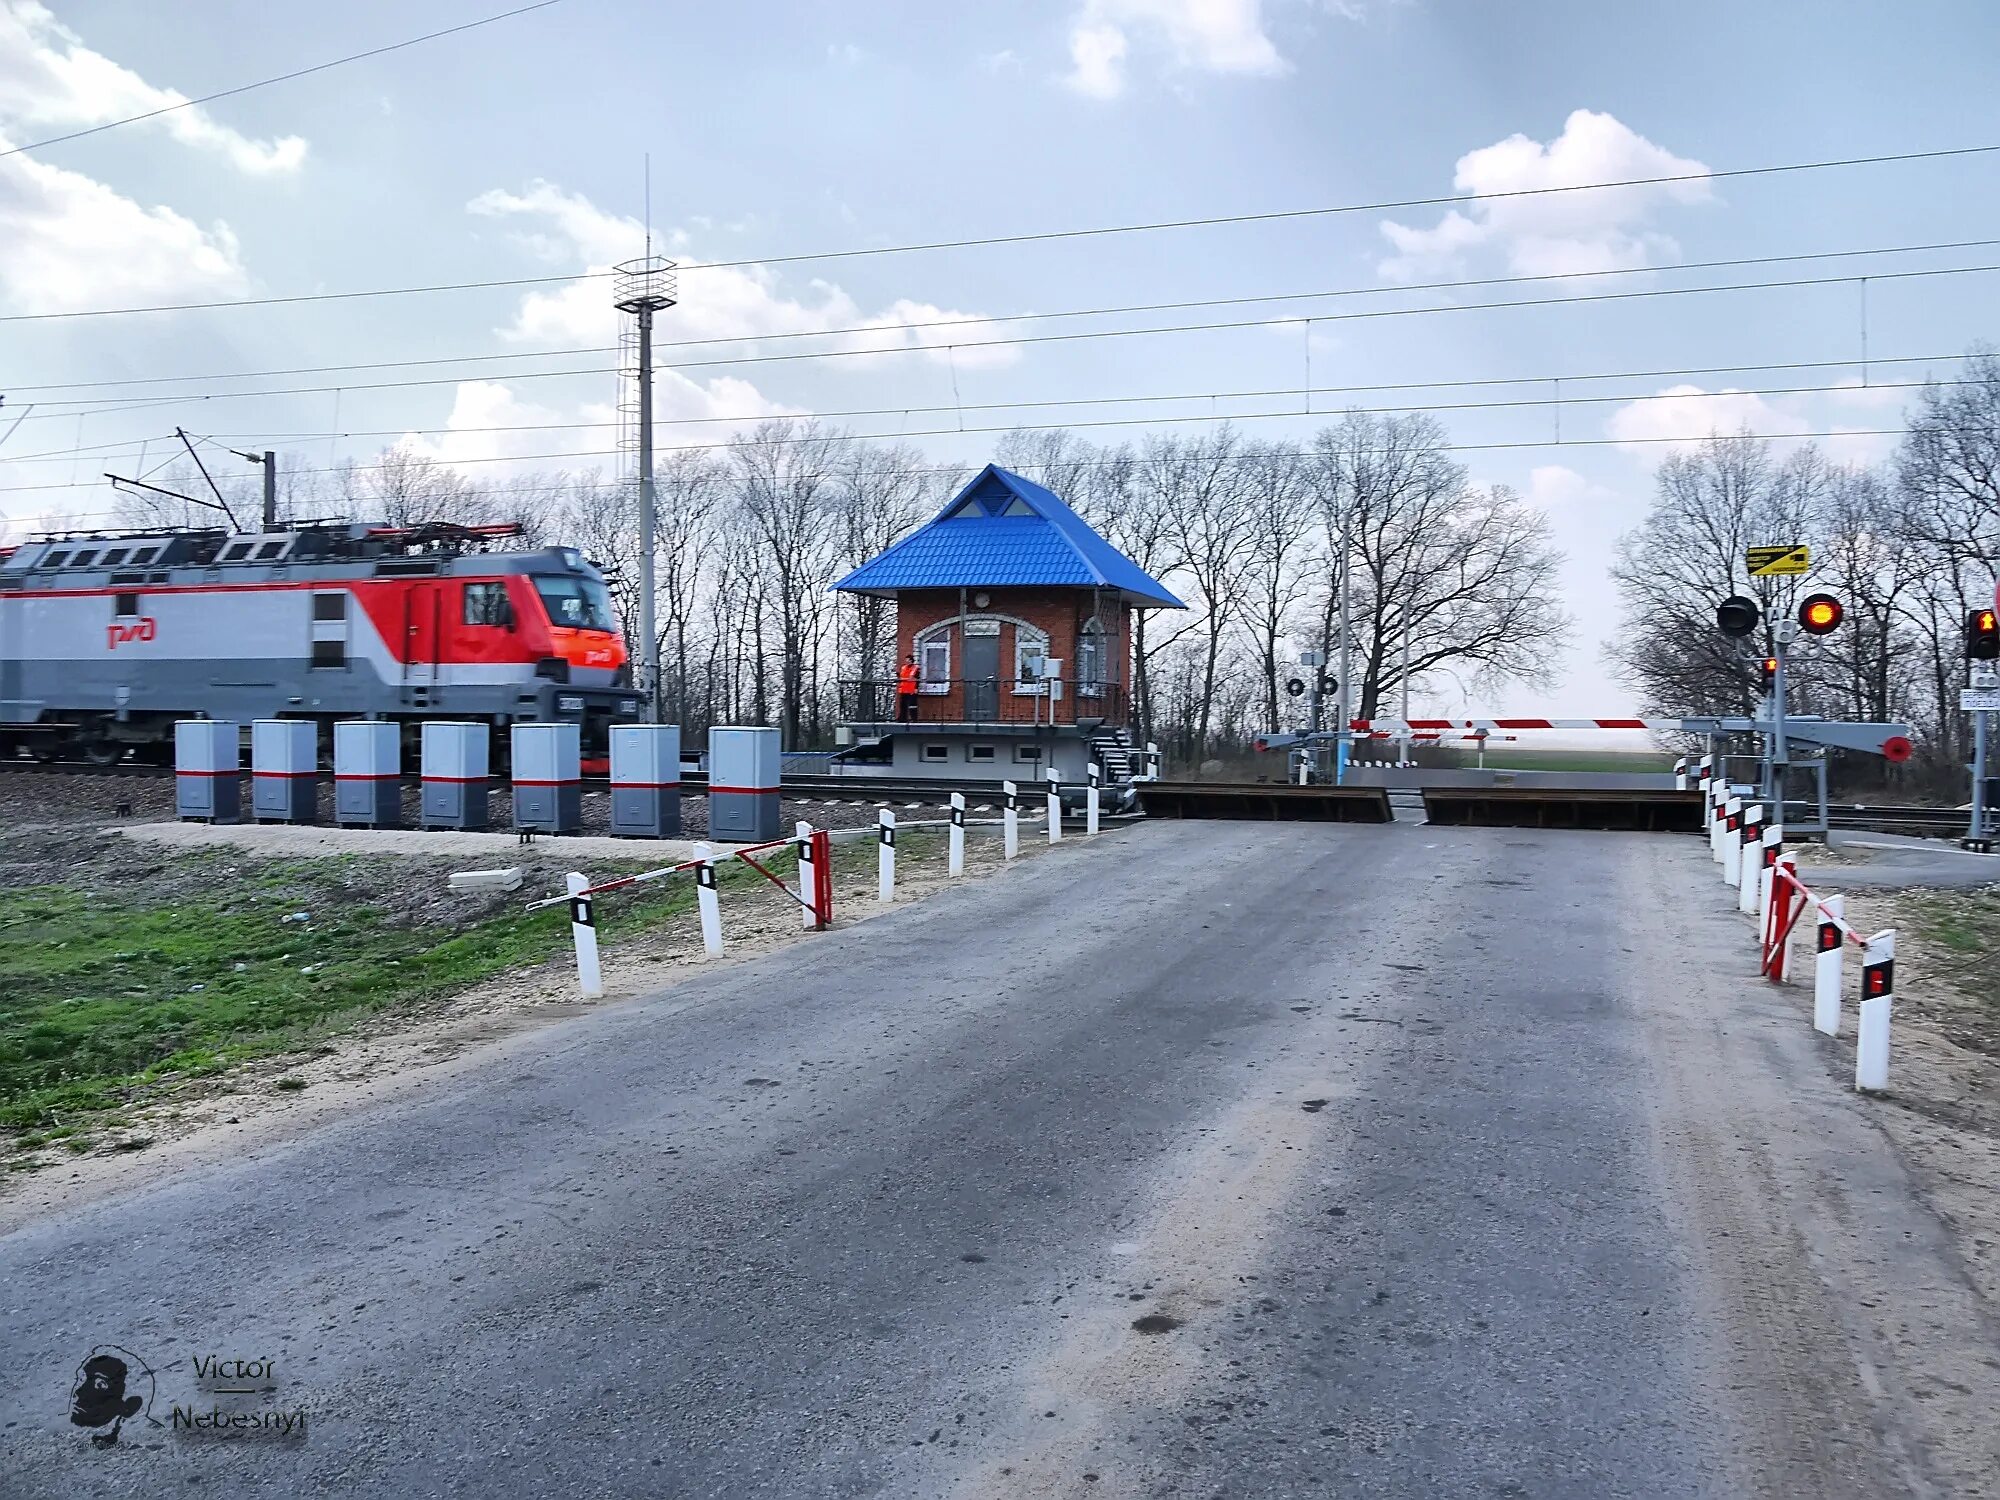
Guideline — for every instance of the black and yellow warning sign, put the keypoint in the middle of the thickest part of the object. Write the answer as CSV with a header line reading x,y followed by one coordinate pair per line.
x,y
1769,562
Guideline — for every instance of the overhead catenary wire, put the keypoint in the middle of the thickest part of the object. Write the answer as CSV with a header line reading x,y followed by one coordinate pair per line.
x,y
113,450
1048,235
850,330
261,83
106,405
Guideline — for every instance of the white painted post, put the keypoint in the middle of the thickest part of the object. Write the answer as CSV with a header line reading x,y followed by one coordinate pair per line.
x,y
1832,947
956,861
1055,806
1090,803
1152,760
1878,987
1304,771
1732,841
707,900
1011,820
1749,858
1716,797
804,833
1681,774
583,928
885,832
1770,847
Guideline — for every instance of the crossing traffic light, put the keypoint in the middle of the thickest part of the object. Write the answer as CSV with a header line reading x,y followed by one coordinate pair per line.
x,y
1820,613
1736,615
1767,672
1982,635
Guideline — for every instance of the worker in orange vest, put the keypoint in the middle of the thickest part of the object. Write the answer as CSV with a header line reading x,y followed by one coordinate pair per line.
x,y
906,690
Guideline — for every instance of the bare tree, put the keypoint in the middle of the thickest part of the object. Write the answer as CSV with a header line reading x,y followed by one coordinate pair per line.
x,y
782,477
1279,519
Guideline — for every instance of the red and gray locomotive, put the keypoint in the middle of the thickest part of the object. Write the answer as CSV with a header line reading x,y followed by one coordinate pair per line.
x,y
107,638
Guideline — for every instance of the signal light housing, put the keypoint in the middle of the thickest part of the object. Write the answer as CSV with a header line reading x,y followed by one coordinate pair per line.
x,y
1982,635
1820,613
1737,615
1767,672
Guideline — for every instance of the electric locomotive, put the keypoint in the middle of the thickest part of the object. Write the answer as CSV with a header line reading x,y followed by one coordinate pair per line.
x,y
107,638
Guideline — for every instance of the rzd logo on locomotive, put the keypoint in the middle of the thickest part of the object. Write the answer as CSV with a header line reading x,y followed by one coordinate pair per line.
x,y
123,632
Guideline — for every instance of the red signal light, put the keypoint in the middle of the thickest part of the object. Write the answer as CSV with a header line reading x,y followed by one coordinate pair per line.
x,y
1820,613
1982,635
1767,671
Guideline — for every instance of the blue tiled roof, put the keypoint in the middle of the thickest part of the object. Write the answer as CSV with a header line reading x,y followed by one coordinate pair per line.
x,y
975,542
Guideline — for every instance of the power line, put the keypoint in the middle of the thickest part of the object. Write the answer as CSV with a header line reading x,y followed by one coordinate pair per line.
x,y
1039,236
1031,317
113,450
876,437
1084,335
244,88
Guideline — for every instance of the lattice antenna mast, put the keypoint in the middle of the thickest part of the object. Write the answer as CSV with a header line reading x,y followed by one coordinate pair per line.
x,y
642,289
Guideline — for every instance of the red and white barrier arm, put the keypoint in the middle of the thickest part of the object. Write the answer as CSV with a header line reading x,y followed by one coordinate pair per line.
x,y
645,876
1396,726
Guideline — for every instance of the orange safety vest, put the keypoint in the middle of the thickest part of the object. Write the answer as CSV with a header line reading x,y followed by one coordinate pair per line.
x,y
906,680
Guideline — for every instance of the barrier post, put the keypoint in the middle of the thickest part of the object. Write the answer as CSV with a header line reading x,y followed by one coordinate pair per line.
x,y
1055,806
1011,820
583,928
1681,774
1749,859
808,881
1090,803
956,863
707,900
885,833
1829,952
1732,845
1717,795
1771,849
822,851
1878,990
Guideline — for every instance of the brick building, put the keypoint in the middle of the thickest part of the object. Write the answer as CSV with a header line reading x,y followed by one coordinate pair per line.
x,y
1018,617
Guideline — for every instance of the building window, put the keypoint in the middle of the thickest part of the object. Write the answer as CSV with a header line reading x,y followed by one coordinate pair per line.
x,y
1028,755
1090,659
934,666
128,605
486,604
1031,656
979,754
329,653
936,753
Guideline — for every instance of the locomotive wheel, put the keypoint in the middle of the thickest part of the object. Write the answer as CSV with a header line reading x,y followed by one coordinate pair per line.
x,y
103,752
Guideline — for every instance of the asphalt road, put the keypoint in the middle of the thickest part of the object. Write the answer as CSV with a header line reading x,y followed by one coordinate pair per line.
x,y
1211,1160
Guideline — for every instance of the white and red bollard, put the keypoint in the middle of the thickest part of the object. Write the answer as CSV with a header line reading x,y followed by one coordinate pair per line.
x,y
1771,849
955,855
1055,806
1829,951
1732,843
1090,803
1748,862
583,928
707,899
885,863
808,877
1878,992
1010,820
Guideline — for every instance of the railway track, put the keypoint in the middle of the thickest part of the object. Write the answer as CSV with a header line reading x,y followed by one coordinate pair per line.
x,y
1931,822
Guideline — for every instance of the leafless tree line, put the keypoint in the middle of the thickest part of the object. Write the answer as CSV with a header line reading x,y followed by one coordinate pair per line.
x,y
1909,547
1450,581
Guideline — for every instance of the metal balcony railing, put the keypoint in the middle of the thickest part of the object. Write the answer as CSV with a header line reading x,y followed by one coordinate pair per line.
x,y
985,700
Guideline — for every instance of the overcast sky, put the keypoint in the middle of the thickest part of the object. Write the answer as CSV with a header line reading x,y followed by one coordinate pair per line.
x,y
515,150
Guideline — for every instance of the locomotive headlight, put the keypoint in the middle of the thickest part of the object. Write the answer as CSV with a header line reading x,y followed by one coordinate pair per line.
x,y
568,703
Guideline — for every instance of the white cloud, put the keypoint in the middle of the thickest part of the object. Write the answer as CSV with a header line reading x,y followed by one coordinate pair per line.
x,y
73,243
1605,230
1558,488
50,81
725,302
845,54
1205,36
588,430
1684,416
1006,60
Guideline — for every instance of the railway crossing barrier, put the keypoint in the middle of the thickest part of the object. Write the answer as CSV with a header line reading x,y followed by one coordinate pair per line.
x,y
814,894
367,773
284,771
208,771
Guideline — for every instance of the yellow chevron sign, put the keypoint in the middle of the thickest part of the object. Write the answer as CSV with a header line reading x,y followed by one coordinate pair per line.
x,y
1769,562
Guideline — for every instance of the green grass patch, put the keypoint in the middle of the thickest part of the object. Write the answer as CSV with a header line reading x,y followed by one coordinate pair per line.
x,y
103,993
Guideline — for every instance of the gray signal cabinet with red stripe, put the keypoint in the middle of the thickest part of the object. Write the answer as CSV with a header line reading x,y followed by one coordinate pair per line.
x,y
284,771
208,765
743,779
367,773
454,771
645,781
548,777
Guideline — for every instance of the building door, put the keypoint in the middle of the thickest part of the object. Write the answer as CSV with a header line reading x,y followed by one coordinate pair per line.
x,y
982,677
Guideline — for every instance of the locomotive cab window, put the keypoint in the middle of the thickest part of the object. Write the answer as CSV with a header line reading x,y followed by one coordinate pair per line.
x,y
576,603
486,604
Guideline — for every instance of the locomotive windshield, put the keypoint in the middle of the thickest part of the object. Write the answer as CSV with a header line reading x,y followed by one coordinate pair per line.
x,y
576,603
